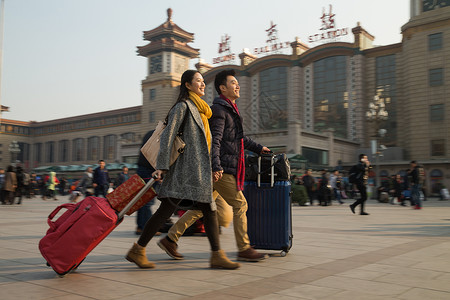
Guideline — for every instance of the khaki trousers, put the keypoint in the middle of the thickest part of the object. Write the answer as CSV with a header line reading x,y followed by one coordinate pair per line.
x,y
224,216
227,188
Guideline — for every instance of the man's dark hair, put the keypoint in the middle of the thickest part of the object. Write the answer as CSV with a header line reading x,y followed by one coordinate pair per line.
x,y
221,79
361,156
414,162
101,160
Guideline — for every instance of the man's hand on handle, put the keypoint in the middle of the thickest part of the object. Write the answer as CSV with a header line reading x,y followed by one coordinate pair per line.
x,y
265,150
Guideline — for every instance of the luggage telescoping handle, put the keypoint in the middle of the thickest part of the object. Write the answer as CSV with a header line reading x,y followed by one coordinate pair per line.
x,y
272,169
136,198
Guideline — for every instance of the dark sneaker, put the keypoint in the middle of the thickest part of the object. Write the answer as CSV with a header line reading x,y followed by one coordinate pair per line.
x,y
364,213
170,248
251,255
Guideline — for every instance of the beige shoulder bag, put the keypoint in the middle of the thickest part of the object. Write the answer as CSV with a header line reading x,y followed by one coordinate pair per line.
x,y
151,148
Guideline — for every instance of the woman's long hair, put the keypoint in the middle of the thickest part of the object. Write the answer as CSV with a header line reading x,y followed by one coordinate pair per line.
x,y
187,76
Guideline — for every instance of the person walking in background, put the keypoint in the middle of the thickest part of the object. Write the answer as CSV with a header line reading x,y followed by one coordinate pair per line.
x,y
20,186
10,185
324,193
190,177
335,183
396,189
101,179
86,185
122,177
62,186
34,188
2,184
309,183
145,171
27,184
417,176
361,174
52,182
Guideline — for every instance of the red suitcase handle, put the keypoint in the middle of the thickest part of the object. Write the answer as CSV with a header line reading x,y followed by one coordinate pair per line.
x,y
67,206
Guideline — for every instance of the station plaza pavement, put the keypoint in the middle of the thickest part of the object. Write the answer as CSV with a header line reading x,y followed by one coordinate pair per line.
x,y
394,253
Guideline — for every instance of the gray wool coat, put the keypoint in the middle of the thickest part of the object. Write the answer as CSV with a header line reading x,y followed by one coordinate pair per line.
x,y
190,177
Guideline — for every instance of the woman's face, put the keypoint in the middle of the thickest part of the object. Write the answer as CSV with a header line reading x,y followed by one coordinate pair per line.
x,y
197,85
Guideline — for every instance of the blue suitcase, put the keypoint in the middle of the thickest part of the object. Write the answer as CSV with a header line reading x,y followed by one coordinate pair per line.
x,y
269,215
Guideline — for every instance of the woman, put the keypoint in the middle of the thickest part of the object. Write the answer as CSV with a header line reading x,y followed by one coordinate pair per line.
x,y
190,177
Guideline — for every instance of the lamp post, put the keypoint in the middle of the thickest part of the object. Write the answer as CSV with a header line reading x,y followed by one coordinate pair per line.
x,y
376,114
14,149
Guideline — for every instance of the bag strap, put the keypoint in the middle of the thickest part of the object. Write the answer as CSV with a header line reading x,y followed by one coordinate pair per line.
x,y
181,129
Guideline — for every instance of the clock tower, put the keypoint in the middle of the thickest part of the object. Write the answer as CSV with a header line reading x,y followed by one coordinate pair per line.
x,y
168,55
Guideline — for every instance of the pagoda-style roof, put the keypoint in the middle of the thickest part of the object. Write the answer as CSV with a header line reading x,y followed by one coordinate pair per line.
x,y
167,44
168,36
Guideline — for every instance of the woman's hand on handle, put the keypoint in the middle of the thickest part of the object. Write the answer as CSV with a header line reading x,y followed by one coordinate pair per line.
x,y
158,175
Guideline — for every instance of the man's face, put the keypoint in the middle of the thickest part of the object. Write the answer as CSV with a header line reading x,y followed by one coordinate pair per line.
x,y
231,89
125,170
102,164
2,171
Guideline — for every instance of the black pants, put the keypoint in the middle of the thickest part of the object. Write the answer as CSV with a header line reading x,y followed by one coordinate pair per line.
x,y
310,194
101,189
361,201
167,208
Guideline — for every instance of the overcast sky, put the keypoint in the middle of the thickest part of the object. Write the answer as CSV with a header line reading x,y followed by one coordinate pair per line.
x,y
65,58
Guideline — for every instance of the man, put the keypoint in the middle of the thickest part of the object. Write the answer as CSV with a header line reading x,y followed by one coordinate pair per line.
x,y
324,190
308,182
417,177
122,177
101,179
335,183
227,155
361,171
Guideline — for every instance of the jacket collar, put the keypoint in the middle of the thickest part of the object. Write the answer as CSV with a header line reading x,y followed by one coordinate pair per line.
x,y
222,102
195,114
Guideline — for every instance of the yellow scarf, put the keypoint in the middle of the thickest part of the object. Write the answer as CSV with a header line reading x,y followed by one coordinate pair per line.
x,y
205,113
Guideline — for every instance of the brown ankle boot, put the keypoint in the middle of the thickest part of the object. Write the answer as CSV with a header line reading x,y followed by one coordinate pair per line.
x,y
219,260
137,255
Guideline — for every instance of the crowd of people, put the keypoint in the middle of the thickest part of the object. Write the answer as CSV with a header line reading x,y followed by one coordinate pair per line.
x,y
403,187
15,183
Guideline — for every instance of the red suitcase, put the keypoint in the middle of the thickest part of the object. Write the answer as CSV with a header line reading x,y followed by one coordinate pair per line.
x,y
79,230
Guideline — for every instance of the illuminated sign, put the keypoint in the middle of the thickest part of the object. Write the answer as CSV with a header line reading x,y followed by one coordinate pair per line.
x,y
328,27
